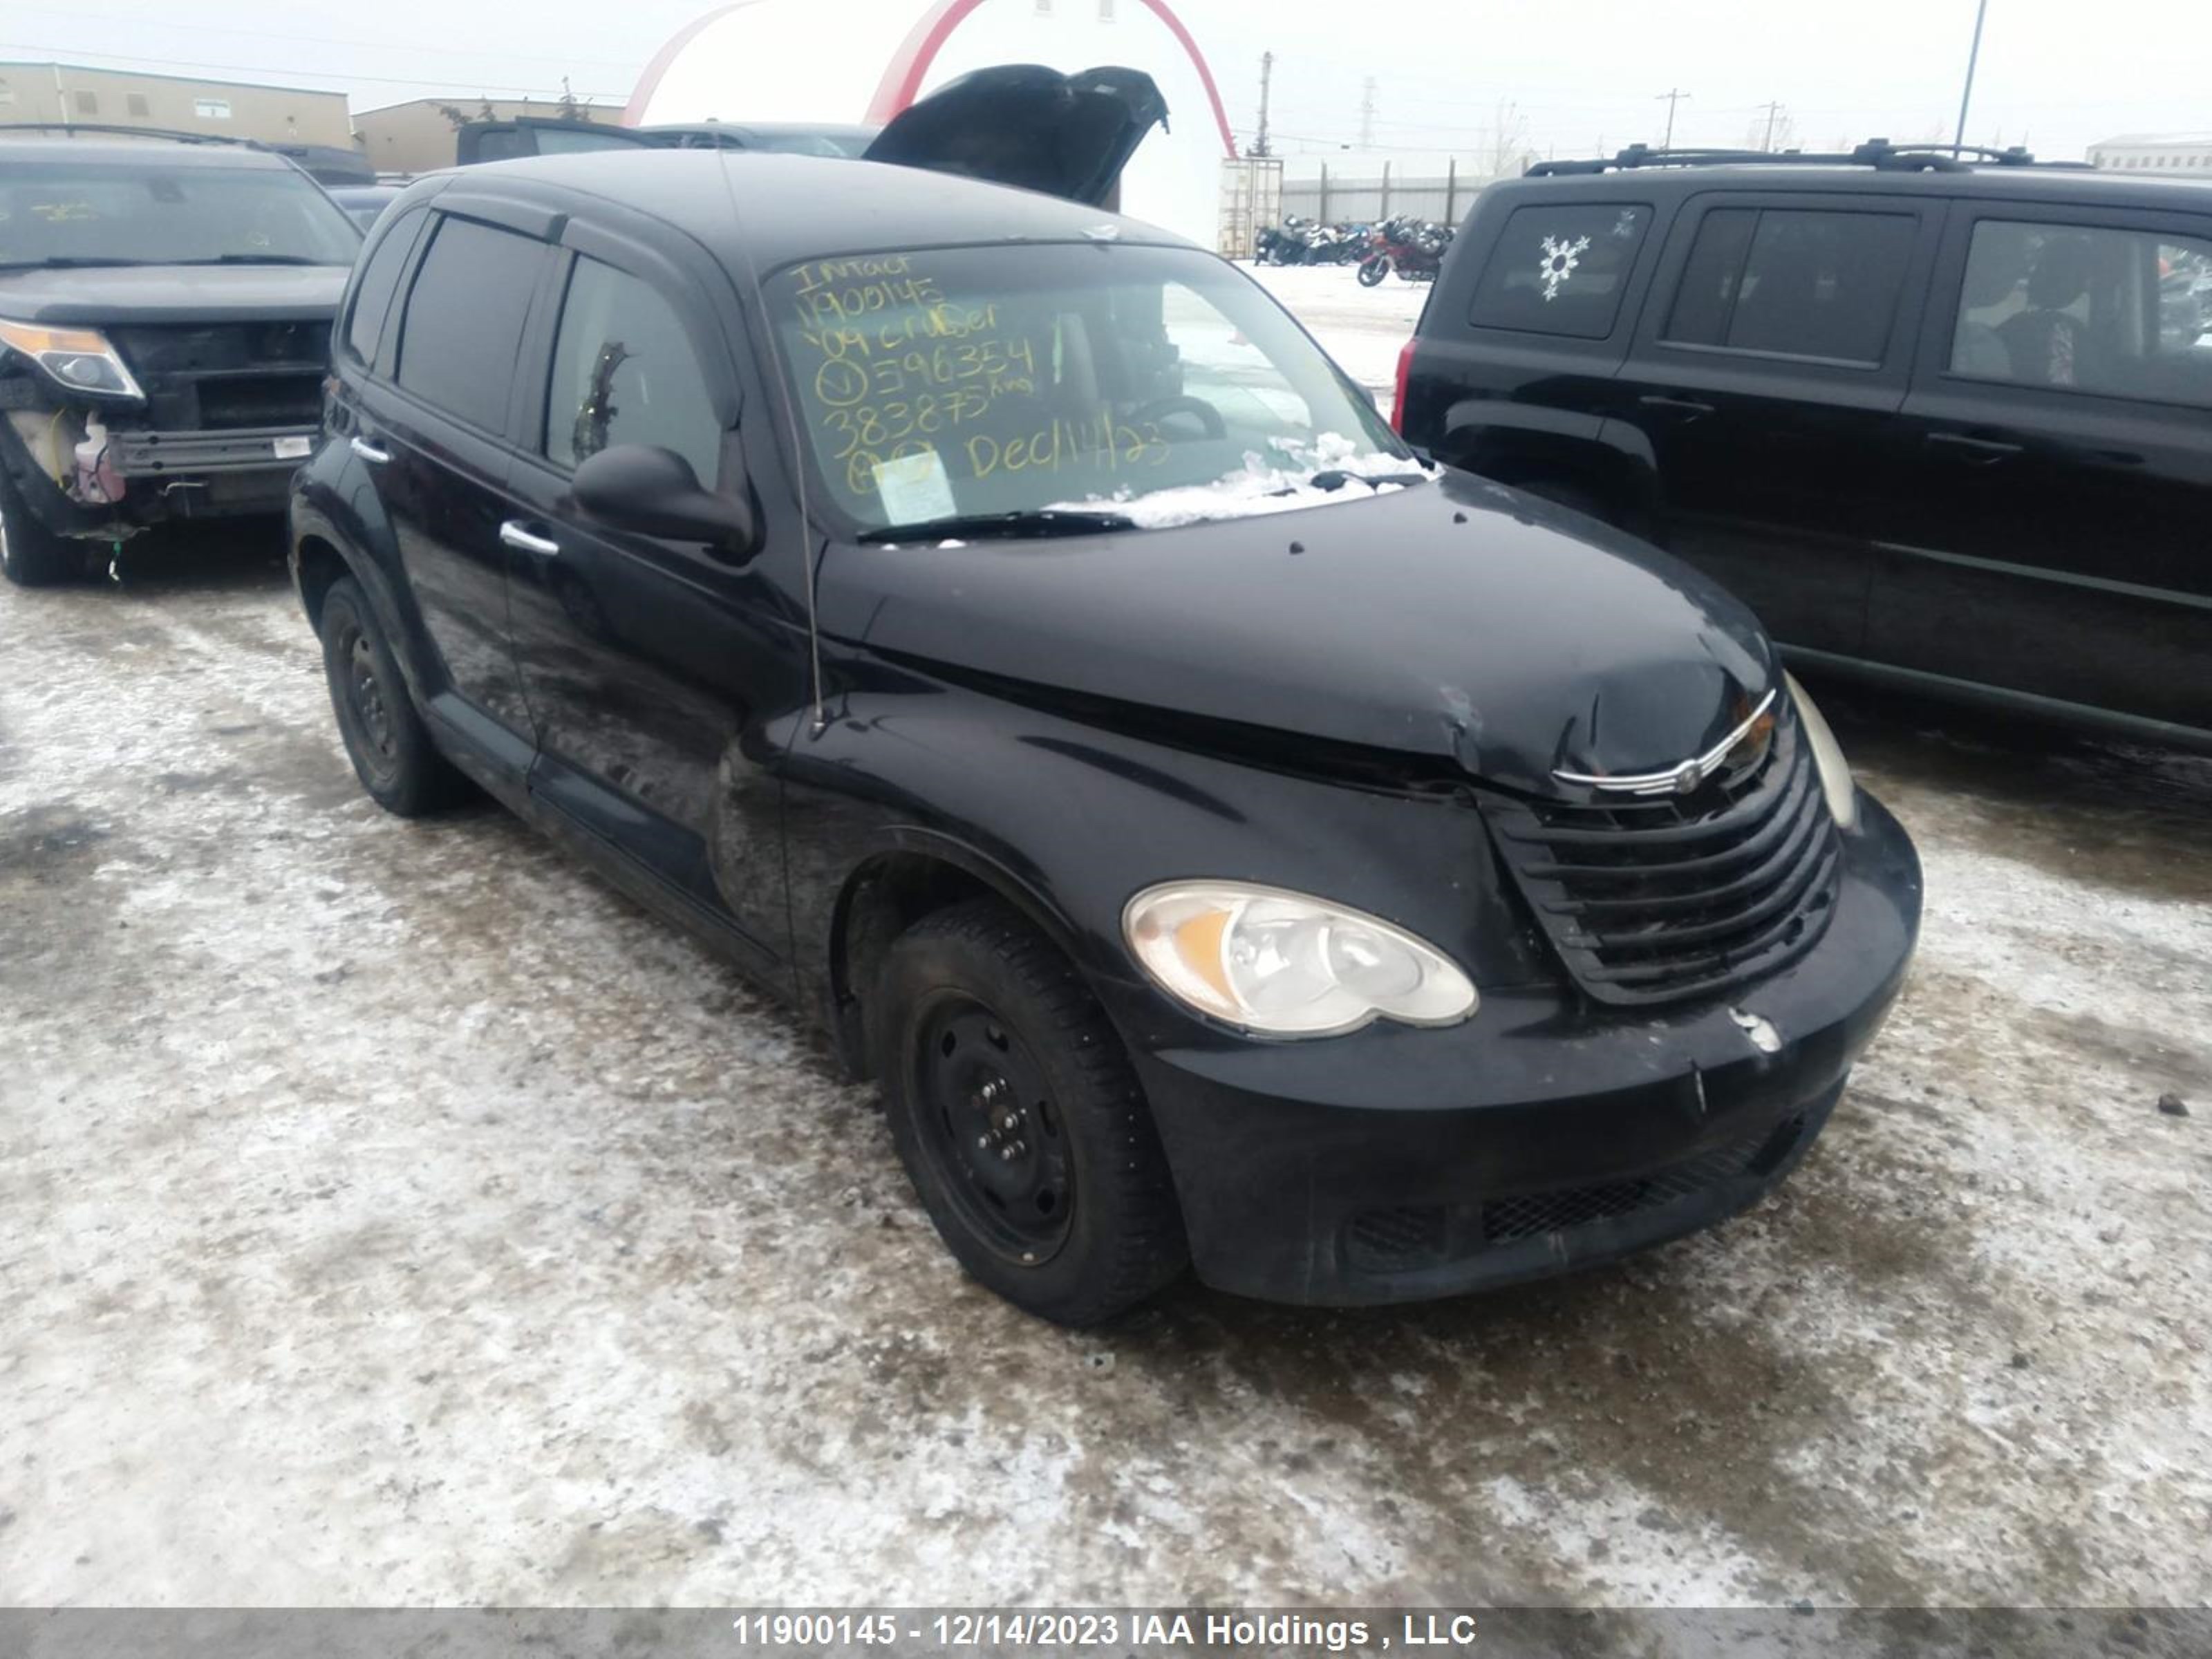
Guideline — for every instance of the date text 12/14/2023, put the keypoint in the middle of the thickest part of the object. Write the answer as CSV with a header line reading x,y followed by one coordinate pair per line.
x,y
1185,1630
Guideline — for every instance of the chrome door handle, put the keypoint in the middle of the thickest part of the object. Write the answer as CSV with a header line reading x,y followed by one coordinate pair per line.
x,y
368,451
1687,407
1979,451
515,536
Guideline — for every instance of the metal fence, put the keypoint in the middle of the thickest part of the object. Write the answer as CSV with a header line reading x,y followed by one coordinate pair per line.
x,y
1330,200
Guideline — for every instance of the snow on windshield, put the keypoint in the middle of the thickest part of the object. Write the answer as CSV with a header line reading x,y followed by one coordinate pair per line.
x,y
1261,486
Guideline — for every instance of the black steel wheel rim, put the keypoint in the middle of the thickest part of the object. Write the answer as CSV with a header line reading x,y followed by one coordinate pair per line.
x,y
366,702
991,1131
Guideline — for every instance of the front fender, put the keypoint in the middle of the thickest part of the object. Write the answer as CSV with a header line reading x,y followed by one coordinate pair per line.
x,y
1068,820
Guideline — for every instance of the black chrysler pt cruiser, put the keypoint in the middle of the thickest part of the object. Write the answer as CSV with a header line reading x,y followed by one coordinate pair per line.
x,y
997,627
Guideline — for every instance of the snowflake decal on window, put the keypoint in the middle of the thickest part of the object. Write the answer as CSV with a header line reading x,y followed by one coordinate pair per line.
x,y
1558,262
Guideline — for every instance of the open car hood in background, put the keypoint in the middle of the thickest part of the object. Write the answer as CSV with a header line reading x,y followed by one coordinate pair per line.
x,y
1028,125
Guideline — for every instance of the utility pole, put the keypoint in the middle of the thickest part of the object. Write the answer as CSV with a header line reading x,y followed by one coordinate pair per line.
x,y
1772,110
1266,73
1973,57
1671,97
1367,115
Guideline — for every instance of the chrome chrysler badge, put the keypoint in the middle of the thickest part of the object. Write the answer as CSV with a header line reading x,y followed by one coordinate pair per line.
x,y
1756,732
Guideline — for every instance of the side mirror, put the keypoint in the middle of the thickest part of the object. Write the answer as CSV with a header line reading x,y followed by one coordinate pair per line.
x,y
654,492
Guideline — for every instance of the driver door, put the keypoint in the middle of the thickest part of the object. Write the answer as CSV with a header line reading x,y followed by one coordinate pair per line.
x,y
644,660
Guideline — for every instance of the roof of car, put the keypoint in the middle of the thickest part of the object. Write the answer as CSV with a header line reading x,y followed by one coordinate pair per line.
x,y
102,150
2081,186
789,208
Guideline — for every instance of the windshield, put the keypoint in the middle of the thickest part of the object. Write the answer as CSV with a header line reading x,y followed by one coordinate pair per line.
x,y
1154,383
53,211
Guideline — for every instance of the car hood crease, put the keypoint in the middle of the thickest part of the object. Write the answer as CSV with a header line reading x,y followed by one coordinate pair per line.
x,y
1458,620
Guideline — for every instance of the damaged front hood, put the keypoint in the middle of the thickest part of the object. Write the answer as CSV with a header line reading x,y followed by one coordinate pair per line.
x,y
1031,126
1456,621
93,296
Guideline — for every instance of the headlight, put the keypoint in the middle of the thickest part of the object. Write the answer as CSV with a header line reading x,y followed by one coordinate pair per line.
x,y
78,358
1286,964
1828,754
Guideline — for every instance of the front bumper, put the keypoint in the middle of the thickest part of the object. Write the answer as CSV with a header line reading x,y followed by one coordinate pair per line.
x,y
168,475
152,454
1397,1165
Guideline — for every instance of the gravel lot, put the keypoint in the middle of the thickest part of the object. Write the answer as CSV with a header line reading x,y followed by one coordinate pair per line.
x,y
392,1214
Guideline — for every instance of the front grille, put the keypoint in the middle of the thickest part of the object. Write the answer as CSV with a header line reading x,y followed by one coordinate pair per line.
x,y
1383,1241
1657,900
205,376
1528,1215
1409,1237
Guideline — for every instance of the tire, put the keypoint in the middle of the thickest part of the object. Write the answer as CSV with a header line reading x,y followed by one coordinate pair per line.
x,y
31,556
390,747
1373,270
1019,1120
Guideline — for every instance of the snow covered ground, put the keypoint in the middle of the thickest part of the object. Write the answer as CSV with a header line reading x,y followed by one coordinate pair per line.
x,y
1363,328
389,1213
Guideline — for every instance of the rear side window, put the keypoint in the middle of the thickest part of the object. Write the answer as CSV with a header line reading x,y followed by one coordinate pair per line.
x,y
380,279
1561,270
2126,313
459,345
624,372
1793,283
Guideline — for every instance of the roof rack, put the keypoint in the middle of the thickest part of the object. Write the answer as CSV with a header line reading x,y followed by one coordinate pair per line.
x,y
69,128
1877,153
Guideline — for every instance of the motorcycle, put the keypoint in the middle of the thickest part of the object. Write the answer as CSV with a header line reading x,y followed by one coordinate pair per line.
x,y
1414,248
1284,244
1301,241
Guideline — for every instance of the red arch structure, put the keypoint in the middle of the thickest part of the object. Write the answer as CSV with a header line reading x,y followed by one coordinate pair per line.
x,y
902,76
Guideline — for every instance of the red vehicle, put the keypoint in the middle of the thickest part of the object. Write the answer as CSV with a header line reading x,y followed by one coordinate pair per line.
x,y
1414,248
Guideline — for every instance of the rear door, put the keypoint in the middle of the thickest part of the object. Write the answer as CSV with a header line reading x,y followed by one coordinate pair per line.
x,y
435,434
1760,387
2053,534
1515,363
644,660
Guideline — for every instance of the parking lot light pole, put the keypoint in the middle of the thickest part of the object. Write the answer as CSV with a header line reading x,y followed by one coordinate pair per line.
x,y
1973,57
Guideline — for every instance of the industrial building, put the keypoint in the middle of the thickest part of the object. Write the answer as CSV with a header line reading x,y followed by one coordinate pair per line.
x,y
417,136
71,92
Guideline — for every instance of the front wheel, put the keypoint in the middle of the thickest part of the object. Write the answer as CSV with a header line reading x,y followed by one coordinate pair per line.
x,y
1018,1118
1373,270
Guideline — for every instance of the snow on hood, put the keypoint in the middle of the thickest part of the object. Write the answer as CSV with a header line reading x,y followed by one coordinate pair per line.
x,y
1259,488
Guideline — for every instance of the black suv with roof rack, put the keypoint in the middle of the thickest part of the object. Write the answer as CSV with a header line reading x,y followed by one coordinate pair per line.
x,y
1942,418
165,316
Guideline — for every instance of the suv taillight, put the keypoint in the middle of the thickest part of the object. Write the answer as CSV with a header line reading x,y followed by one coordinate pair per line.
x,y
1398,398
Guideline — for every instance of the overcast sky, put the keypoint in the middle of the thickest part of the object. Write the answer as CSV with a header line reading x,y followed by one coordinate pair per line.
x,y
1447,74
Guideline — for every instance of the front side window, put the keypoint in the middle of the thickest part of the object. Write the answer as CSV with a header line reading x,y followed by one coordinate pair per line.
x,y
1794,282
380,279
463,330
2127,313
624,372
1561,270
110,214
1154,383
